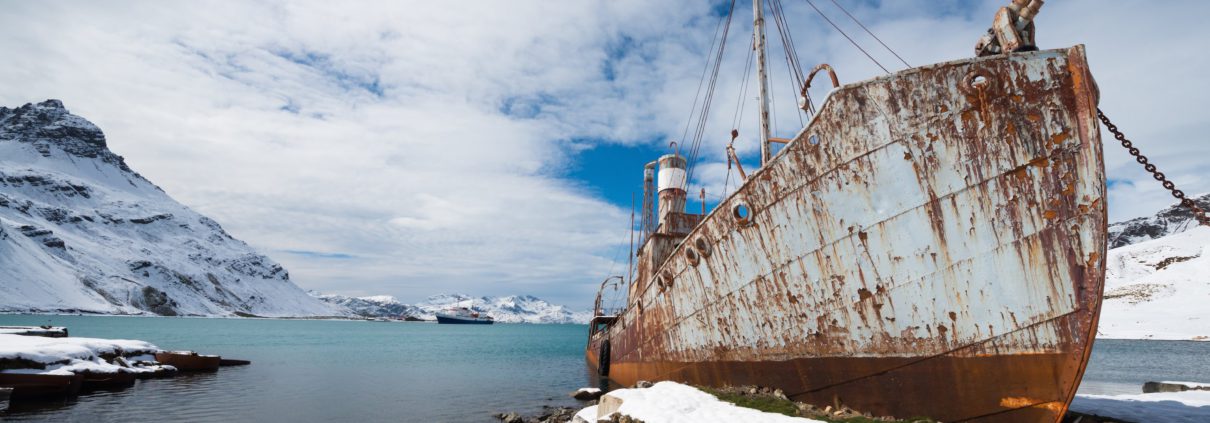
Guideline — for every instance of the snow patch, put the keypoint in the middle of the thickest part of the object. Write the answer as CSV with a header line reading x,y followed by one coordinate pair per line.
x,y
1157,289
1176,407
671,402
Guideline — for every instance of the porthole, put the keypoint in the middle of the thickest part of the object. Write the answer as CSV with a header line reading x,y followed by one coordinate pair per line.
x,y
742,213
703,247
813,139
978,81
691,256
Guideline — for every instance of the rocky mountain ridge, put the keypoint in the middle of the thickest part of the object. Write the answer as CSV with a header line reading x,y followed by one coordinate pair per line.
x,y
1171,220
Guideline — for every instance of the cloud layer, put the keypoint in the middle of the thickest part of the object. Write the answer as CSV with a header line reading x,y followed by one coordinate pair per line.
x,y
417,148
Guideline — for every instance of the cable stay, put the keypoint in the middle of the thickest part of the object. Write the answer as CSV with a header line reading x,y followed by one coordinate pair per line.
x,y
708,95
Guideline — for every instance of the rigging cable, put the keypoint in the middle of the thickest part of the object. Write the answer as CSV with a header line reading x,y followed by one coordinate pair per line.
x,y
846,36
708,100
701,81
793,67
867,31
743,92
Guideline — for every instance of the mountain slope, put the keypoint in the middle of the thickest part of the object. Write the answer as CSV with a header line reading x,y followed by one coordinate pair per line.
x,y
1157,277
1159,289
508,309
83,232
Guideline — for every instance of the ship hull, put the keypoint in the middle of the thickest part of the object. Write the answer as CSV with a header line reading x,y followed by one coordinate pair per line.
x,y
931,244
462,321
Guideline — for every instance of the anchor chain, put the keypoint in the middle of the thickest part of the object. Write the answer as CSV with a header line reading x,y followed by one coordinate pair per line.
x,y
1198,213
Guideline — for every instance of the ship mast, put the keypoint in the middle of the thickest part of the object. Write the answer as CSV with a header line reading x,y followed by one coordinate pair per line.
x,y
758,35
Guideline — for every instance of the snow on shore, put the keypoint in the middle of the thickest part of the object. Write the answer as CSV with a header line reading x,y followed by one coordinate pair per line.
x,y
55,350
1174,407
67,356
671,402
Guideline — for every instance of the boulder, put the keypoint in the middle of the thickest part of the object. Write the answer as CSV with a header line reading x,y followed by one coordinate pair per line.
x,y
1153,387
510,418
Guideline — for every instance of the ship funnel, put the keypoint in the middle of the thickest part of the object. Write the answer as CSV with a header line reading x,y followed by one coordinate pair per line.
x,y
671,186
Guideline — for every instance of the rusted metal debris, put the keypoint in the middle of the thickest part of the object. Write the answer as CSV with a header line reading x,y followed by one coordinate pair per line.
x,y
931,244
1012,29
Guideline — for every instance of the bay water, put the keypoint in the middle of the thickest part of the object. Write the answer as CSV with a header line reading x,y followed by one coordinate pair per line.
x,y
335,370
330,371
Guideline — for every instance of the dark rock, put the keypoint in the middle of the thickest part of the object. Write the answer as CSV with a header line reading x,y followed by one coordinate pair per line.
x,y
157,302
1153,387
510,417
150,219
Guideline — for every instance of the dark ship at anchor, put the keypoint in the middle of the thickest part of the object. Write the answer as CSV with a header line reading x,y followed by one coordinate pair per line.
x,y
931,243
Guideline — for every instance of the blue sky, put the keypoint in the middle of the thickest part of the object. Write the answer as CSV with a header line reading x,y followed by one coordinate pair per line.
x,y
491,148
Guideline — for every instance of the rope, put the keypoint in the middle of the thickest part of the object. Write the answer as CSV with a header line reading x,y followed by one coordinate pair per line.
x,y
867,31
846,36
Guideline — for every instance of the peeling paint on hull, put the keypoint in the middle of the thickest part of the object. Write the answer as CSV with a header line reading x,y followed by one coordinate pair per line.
x,y
931,244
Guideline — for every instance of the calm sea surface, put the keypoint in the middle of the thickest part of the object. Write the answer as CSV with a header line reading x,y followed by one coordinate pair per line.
x,y
323,371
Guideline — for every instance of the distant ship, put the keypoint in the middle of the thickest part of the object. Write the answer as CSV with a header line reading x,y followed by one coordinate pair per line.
x,y
931,243
463,316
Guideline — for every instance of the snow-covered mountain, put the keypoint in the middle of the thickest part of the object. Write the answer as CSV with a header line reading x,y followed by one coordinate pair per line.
x,y
508,309
1172,220
82,232
374,306
1157,281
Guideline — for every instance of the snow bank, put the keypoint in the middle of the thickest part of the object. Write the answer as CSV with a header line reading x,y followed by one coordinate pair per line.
x,y
1158,289
1175,407
671,402
65,350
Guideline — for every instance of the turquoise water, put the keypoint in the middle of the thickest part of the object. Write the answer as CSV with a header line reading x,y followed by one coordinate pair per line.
x,y
323,371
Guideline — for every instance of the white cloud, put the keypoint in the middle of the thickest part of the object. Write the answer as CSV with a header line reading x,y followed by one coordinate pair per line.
x,y
429,141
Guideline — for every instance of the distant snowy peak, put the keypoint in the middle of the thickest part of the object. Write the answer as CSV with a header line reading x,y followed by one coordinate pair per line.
x,y
508,309
85,233
372,306
1172,220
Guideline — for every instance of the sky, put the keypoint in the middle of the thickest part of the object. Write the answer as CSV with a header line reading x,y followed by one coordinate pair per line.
x,y
493,147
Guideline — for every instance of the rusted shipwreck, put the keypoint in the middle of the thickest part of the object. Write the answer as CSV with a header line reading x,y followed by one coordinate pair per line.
x,y
931,243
